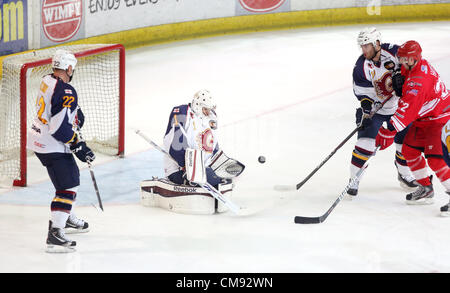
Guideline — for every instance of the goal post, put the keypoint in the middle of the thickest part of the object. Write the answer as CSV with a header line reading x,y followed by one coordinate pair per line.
x,y
99,79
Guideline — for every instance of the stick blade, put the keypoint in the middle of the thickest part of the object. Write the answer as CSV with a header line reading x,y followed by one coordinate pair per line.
x,y
284,187
307,220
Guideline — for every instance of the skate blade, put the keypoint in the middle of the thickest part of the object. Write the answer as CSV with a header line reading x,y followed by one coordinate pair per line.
x,y
59,249
445,214
348,197
422,201
75,231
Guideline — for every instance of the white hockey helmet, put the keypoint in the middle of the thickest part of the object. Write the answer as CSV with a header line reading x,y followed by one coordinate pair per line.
x,y
369,35
62,59
203,99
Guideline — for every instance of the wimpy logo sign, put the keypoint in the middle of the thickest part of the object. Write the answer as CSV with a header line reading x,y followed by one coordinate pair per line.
x,y
62,11
61,19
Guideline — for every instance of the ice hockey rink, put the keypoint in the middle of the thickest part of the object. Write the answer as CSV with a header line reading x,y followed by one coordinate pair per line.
x,y
286,95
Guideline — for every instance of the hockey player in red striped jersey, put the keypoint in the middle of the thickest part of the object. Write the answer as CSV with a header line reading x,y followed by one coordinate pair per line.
x,y
424,102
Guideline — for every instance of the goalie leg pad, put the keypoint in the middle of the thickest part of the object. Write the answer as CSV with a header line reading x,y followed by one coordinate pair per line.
x,y
227,189
177,198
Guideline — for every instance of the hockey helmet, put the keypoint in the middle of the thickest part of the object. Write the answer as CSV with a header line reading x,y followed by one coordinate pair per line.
x,y
369,35
62,59
410,49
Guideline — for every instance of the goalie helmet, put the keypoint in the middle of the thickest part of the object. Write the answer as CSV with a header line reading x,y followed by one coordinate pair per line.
x,y
369,35
62,59
203,99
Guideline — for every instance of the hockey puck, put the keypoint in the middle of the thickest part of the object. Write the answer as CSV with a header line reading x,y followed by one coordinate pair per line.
x,y
262,159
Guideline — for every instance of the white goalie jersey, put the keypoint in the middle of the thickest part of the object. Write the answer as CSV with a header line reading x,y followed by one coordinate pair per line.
x,y
188,130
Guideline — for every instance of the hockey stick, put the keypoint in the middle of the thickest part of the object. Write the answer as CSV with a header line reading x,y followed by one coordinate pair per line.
x,y
208,187
297,187
93,177
320,219
95,185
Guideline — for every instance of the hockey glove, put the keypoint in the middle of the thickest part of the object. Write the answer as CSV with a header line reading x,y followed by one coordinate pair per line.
x,y
363,114
82,151
363,119
397,83
385,138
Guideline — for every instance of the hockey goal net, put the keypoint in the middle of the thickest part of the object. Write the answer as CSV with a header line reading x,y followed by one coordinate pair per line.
x,y
99,80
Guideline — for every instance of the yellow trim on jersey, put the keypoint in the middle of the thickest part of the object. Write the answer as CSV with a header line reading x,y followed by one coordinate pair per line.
x,y
447,142
360,157
400,157
73,138
63,200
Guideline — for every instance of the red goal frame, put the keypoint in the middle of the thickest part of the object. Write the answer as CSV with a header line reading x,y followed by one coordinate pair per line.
x,y
23,103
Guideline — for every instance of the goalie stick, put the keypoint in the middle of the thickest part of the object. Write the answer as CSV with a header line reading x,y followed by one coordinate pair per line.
x,y
208,187
320,219
297,187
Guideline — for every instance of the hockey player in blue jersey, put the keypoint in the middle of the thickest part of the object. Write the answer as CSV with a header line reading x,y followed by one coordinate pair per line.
x,y
372,85
54,139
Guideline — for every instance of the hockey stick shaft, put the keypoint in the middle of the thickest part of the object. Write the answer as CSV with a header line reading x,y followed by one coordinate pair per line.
x,y
208,187
95,186
339,146
97,192
317,220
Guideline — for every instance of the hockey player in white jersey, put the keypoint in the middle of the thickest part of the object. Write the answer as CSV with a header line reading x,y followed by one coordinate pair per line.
x,y
191,140
53,138
372,85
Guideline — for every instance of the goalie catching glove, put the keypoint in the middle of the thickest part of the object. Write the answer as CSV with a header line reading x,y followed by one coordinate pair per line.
x,y
226,167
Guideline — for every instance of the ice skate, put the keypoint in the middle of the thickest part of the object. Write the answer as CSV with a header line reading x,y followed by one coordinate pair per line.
x,y
57,242
421,196
75,225
407,182
353,189
445,210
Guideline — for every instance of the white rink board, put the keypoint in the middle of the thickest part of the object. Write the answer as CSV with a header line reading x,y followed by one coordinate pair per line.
x,y
329,4
123,14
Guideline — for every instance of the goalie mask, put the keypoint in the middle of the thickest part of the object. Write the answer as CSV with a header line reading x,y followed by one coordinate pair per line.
x,y
203,105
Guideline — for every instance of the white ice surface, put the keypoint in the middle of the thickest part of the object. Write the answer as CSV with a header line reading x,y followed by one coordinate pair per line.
x,y
286,95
